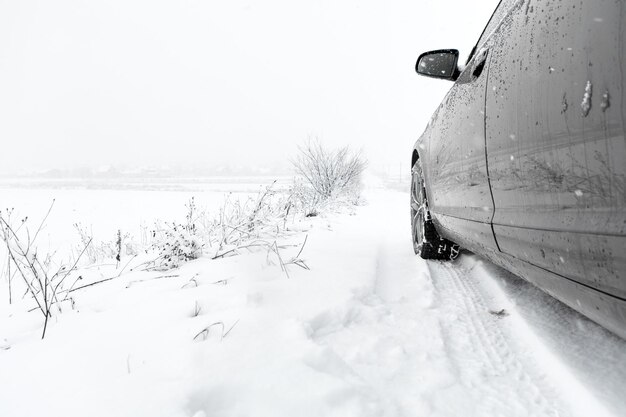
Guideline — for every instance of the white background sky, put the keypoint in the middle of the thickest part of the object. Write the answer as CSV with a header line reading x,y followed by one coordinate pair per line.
x,y
164,82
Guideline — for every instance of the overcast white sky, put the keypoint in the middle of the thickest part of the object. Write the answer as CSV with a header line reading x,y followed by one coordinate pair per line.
x,y
155,82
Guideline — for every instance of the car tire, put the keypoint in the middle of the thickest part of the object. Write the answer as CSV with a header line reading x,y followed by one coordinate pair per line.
x,y
426,241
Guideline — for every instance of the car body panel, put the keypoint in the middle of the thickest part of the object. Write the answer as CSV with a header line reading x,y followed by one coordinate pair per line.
x,y
552,177
556,149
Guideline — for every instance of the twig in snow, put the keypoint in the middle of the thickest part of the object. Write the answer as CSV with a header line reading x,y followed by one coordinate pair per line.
x,y
205,332
152,279
296,259
293,261
125,266
189,283
231,327
222,281
42,222
89,285
196,310
257,243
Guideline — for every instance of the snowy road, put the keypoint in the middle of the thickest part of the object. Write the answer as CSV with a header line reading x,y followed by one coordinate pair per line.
x,y
468,338
370,330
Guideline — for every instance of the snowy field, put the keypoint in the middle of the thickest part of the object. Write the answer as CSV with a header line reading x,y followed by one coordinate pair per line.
x,y
368,330
104,206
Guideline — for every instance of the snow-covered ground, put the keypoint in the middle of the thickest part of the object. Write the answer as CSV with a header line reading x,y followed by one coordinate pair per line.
x,y
369,330
103,206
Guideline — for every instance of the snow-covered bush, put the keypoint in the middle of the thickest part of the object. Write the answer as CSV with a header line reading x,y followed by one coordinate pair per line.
x,y
174,245
255,221
329,172
177,243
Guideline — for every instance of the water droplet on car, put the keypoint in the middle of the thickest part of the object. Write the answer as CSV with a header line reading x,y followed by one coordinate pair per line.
x,y
606,102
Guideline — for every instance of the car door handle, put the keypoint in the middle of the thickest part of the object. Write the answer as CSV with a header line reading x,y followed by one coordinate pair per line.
x,y
479,63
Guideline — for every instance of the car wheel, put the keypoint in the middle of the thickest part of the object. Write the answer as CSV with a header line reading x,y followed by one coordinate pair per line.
x,y
426,241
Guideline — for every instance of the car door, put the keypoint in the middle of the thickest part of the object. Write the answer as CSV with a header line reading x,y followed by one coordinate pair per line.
x,y
555,138
456,170
459,195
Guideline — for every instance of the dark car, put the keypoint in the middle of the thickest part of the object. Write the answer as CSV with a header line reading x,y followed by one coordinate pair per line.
x,y
524,161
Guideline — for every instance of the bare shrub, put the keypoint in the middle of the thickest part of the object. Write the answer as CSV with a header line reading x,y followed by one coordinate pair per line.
x,y
329,172
42,275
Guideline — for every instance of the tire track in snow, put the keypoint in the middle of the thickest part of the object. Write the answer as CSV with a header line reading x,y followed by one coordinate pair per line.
x,y
583,362
490,371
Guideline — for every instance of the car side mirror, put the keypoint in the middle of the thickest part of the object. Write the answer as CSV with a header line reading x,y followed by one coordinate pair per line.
x,y
439,64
